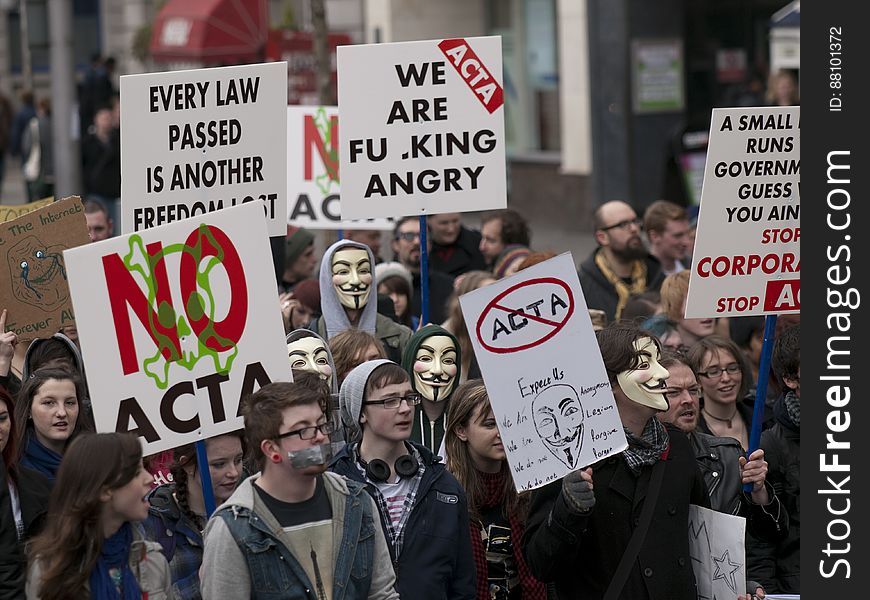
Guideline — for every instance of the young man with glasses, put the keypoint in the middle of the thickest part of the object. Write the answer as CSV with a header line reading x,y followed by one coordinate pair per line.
x,y
294,530
621,266
423,508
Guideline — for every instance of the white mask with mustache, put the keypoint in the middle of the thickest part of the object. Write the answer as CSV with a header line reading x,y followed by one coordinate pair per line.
x,y
645,384
352,276
435,367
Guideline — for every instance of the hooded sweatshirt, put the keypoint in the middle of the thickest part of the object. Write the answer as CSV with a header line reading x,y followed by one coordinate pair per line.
x,y
425,432
29,368
334,314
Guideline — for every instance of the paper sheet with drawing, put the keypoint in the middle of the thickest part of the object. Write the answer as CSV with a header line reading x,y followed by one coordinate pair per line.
x,y
534,341
717,549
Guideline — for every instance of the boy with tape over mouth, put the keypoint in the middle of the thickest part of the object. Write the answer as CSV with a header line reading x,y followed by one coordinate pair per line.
x,y
294,530
423,509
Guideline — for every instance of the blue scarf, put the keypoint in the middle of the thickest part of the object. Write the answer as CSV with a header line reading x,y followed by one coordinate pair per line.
x,y
115,555
39,458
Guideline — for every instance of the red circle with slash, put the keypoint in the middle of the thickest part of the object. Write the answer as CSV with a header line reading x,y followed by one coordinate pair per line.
x,y
553,326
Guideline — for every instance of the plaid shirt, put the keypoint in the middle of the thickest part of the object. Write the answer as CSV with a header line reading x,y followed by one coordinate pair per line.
x,y
397,533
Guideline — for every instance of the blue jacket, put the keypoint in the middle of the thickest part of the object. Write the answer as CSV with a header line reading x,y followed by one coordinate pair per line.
x,y
180,539
245,557
436,561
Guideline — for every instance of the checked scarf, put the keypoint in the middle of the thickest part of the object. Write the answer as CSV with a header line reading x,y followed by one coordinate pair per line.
x,y
647,449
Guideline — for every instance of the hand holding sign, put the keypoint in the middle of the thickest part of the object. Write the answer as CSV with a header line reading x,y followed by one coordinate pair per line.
x,y
577,490
8,340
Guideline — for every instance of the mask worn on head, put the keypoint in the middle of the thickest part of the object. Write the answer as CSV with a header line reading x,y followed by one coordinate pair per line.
x,y
435,367
352,276
645,384
310,354
558,417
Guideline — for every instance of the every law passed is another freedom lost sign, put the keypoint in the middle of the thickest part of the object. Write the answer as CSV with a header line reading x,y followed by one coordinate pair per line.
x,y
747,258
179,322
533,339
422,127
196,141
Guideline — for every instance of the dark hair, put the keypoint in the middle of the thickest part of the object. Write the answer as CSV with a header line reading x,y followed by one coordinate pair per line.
x,y
669,358
715,343
384,375
346,348
514,228
70,544
616,342
401,221
181,457
397,284
52,352
10,451
95,206
24,406
263,411
641,306
786,358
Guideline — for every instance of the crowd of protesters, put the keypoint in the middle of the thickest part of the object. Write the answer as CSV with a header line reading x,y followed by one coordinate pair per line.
x,y
380,471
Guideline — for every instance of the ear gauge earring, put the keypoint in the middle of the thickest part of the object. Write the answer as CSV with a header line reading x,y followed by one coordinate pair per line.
x,y
276,458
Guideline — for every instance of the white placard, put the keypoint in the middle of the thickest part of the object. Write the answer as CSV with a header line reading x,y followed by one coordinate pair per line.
x,y
313,179
422,127
717,550
537,351
196,141
747,247
177,323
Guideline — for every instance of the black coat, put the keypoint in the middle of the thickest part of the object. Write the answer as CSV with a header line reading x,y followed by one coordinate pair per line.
x,y
12,564
440,289
580,553
601,294
460,257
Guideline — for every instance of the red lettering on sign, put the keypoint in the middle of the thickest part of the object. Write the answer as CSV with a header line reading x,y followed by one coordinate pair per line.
x,y
471,69
782,295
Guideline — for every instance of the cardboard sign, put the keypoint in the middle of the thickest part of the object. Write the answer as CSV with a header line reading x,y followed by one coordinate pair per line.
x,y
313,189
193,142
422,127
717,550
33,276
747,258
180,322
10,213
537,351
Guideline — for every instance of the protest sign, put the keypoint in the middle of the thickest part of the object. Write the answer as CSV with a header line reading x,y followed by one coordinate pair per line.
x,y
313,183
196,141
747,247
533,339
10,213
33,276
422,127
716,547
179,322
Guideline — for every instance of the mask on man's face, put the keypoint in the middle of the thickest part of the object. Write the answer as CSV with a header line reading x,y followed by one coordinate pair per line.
x,y
646,383
310,354
352,276
435,367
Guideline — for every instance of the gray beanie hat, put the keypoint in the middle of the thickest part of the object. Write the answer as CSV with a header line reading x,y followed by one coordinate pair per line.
x,y
350,396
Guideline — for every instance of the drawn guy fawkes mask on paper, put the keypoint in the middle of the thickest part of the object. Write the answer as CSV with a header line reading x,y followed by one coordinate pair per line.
x,y
352,276
558,417
646,383
435,367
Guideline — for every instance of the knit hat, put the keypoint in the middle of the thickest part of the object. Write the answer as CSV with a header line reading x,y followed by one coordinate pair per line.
x,y
296,244
392,269
307,292
350,396
512,254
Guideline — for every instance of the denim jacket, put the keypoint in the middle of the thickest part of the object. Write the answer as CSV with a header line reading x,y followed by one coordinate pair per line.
x,y
180,539
245,558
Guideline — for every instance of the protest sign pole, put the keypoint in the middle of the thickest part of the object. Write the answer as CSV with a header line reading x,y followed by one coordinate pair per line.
x,y
205,478
761,388
424,273
341,234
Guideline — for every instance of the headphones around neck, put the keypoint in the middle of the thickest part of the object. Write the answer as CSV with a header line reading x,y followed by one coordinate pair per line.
x,y
379,471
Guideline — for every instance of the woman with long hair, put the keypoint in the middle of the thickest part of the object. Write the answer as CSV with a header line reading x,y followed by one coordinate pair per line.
x,y
90,547
476,457
47,418
455,322
177,515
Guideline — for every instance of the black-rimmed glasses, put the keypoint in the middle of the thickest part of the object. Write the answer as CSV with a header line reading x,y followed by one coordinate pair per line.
x,y
624,225
733,369
413,399
309,433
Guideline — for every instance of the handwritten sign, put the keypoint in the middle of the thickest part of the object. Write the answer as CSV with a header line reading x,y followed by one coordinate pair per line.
x,y
537,351
10,213
716,547
197,141
747,258
422,127
33,276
